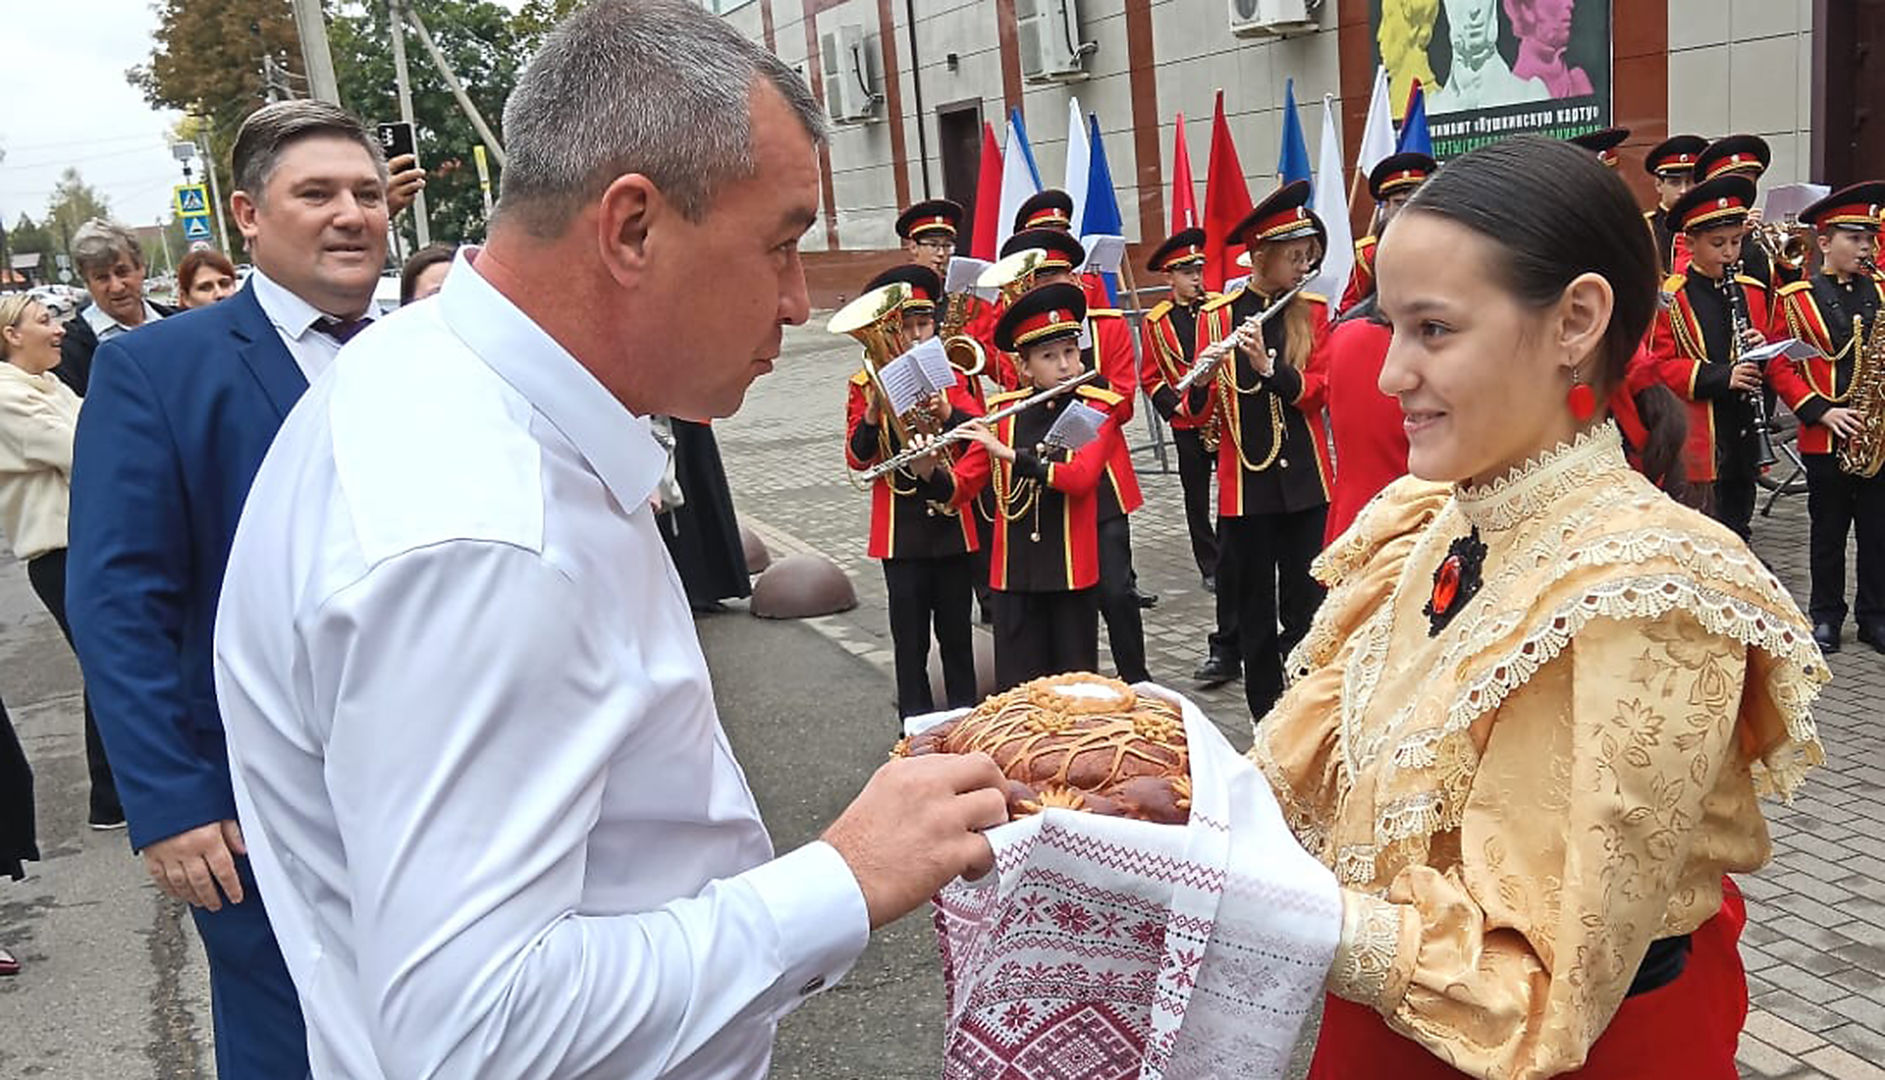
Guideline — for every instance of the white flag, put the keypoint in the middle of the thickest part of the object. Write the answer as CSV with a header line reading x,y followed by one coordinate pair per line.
x,y
1377,138
1017,182
1332,206
1079,157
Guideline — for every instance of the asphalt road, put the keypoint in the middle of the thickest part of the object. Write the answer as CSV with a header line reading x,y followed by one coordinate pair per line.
x,y
114,983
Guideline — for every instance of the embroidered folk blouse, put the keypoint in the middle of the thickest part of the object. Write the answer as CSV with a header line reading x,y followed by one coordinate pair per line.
x,y
1518,804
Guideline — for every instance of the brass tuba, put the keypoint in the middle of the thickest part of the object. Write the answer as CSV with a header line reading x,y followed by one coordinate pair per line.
x,y
875,319
1863,456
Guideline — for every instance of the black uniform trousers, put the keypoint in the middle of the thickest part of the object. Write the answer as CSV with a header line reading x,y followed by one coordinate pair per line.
x,y
926,593
1730,499
1265,564
1838,504
1125,624
1195,466
1045,633
47,574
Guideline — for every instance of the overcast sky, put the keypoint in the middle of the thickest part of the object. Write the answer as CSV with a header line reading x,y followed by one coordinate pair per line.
x,y
68,104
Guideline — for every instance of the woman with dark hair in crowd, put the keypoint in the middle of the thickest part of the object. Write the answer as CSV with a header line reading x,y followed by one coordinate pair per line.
x,y
204,277
424,272
1532,718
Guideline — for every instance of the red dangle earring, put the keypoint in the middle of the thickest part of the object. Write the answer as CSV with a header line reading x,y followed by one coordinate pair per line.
x,y
1582,399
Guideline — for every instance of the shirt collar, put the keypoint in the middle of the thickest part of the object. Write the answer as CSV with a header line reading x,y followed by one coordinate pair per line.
x,y
104,325
289,312
617,444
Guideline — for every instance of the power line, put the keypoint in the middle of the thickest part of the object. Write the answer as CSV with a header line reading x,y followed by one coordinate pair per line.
x,y
76,142
156,148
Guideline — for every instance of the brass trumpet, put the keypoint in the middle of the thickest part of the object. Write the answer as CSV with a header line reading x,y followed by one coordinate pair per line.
x,y
1013,275
1787,243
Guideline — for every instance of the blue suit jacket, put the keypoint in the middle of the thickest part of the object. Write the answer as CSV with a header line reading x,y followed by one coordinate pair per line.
x,y
176,421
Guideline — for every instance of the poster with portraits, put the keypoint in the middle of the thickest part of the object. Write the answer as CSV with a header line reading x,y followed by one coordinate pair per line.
x,y
1493,68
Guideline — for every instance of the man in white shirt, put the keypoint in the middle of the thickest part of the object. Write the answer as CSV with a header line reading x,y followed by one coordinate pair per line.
x,y
473,737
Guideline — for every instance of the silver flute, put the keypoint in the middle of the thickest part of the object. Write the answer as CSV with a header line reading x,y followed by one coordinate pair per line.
x,y
909,455
1211,354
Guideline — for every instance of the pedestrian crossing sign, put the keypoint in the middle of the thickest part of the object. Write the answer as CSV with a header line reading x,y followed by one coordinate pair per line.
x,y
192,199
196,227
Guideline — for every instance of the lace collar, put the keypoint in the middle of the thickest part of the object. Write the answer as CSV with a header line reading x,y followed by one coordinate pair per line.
x,y
1533,487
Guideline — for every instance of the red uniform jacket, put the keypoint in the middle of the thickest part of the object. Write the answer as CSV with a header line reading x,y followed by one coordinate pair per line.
x,y
905,524
1370,441
1679,350
1295,474
1811,387
1045,536
1112,342
1361,282
1170,344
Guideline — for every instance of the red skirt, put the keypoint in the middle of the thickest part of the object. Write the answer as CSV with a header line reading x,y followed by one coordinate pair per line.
x,y
1688,1028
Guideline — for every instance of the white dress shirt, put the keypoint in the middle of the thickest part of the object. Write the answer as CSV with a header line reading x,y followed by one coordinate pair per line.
x,y
474,745
294,320
105,327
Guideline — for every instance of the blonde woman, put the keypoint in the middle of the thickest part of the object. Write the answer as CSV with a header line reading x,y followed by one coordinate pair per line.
x,y
38,415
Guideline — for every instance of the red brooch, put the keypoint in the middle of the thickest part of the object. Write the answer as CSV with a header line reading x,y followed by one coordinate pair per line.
x,y
1455,581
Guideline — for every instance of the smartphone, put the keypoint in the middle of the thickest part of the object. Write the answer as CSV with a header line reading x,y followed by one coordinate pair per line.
x,y
396,139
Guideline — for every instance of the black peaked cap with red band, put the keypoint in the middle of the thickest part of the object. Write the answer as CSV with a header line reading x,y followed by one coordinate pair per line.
x,y
925,286
1724,200
1734,155
1398,172
1049,209
1043,313
939,216
1183,248
1603,143
1283,215
1062,250
1855,208
1675,155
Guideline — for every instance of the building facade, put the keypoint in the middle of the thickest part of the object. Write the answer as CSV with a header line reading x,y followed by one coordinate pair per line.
x,y
911,82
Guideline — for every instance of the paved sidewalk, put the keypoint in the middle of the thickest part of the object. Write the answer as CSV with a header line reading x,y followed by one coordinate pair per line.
x,y
1815,944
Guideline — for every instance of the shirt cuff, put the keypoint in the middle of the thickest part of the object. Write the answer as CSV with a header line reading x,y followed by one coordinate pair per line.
x,y
1368,968
818,908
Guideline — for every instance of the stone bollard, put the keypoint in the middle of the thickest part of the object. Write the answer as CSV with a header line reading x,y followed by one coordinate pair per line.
x,y
802,587
757,557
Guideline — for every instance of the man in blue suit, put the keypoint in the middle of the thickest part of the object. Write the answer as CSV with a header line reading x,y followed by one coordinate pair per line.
x,y
176,422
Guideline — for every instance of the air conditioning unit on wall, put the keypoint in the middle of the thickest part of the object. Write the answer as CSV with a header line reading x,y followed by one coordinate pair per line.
x,y
1273,18
850,83
1051,49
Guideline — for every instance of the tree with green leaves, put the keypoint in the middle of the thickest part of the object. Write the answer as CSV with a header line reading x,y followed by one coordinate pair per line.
x,y
74,202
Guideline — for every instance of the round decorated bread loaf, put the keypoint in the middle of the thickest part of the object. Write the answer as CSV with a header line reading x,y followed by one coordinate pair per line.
x,y
1078,741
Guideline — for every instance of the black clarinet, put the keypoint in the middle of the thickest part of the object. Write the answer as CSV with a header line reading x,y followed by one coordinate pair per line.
x,y
1764,455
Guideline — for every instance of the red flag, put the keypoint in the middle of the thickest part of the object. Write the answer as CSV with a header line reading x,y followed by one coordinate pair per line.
x,y
1184,195
1412,93
987,198
1226,203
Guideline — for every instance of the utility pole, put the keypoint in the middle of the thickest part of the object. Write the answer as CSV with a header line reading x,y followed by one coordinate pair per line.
x,y
315,56
215,195
458,89
395,11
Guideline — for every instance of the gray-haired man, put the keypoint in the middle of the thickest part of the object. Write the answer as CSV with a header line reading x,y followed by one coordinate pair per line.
x,y
111,264
472,732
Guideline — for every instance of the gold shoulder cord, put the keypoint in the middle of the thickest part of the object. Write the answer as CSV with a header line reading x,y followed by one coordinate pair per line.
x,y
1018,498
931,506
1228,386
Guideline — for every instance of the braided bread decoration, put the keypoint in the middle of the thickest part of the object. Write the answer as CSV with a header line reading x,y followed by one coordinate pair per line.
x,y
1077,741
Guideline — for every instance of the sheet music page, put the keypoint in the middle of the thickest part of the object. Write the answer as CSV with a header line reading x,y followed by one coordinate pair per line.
x,y
1103,253
1788,200
1790,349
1078,425
933,363
962,275
903,383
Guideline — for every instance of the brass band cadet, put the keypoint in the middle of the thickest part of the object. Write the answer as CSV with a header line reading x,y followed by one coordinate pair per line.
x,y
1391,183
926,545
1671,163
1830,311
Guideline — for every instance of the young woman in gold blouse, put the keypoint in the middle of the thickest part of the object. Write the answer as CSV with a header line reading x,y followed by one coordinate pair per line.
x,y
1529,724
